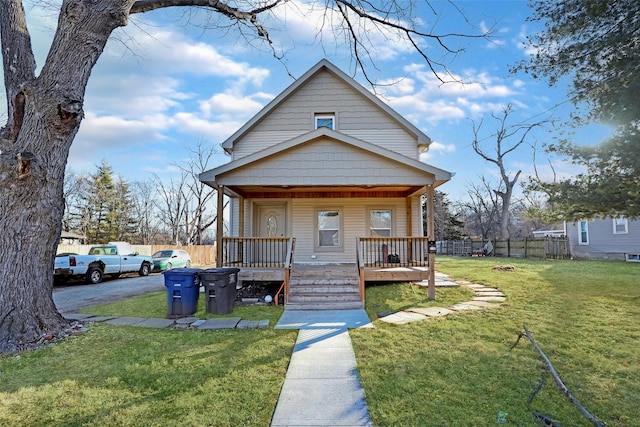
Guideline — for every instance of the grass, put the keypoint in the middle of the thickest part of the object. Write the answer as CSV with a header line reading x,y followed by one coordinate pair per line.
x,y
454,371
461,370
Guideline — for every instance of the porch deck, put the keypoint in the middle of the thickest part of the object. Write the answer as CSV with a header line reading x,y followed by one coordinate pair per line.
x,y
391,259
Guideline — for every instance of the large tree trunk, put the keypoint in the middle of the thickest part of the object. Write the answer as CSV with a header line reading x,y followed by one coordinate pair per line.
x,y
44,115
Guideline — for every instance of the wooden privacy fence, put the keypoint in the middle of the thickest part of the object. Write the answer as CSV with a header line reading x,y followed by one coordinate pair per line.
x,y
200,255
545,247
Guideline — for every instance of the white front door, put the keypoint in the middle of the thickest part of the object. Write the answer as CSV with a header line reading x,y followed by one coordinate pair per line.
x,y
272,221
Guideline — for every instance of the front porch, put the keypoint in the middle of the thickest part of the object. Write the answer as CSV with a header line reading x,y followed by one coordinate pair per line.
x,y
327,285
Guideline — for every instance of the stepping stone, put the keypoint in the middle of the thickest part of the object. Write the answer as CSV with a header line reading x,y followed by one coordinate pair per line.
x,y
496,299
247,324
125,321
484,304
197,323
185,322
485,289
223,323
99,318
466,283
440,283
77,316
466,306
430,311
490,294
403,317
155,323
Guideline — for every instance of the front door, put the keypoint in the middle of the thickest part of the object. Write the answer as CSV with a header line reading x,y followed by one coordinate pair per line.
x,y
271,223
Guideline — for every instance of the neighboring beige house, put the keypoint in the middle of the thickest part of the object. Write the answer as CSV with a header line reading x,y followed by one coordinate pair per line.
x,y
325,182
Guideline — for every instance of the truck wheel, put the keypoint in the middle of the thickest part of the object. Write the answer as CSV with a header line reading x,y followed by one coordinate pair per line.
x,y
94,276
145,269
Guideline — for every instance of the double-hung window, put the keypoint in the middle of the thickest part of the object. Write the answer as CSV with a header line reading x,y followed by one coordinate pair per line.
x,y
380,223
328,226
620,225
583,232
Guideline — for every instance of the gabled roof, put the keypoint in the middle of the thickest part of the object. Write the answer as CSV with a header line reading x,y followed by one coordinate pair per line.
x,y
440,176
422,138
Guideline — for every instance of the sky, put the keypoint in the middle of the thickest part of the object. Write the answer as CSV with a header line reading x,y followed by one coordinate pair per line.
x,y
166,83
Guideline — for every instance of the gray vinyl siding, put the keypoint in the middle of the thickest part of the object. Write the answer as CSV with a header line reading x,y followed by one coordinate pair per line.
x,y
325,93
354,222
325,163
603,243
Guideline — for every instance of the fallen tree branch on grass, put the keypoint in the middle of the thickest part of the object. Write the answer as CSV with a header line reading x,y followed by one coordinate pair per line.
x,y
556,377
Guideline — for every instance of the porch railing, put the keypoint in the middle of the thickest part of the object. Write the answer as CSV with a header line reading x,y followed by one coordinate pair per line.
x,y
388,252
257,252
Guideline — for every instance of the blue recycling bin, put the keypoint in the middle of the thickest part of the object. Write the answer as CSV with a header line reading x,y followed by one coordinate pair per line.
x,y
220,289
183,290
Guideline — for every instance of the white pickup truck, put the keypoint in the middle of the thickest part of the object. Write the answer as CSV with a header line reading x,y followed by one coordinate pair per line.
x,y
114,259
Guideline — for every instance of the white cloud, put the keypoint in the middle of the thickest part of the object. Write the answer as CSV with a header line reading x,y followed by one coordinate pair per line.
x,y
191,123
226,104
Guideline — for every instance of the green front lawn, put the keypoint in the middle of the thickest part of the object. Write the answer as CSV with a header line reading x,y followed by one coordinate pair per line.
x,y
461,370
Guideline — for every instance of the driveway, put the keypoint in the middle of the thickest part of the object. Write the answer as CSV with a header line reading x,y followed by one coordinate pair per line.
x,y
71,298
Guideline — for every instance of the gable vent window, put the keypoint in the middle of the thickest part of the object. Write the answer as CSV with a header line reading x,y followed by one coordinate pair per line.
x,y
325,120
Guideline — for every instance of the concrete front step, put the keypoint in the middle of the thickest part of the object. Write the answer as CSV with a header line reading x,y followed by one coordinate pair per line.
x,y
346,305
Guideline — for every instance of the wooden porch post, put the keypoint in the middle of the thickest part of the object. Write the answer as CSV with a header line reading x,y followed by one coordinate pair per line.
x,y
219,225
409,217
431,288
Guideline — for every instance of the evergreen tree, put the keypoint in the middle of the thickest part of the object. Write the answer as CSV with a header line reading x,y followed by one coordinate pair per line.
x,y
596,44
107,212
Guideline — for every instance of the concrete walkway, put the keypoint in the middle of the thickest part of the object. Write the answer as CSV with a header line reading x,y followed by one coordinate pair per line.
x,y
322,386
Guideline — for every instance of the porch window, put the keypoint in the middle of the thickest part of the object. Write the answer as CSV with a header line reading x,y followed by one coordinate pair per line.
x,y
328,229
380,222
583,233
325,120
620,225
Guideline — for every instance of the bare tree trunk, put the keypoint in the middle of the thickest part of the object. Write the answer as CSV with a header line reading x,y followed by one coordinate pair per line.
x,y
45,114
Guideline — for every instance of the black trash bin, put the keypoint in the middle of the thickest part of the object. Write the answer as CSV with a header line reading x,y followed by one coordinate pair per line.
x,y
220,289
183,290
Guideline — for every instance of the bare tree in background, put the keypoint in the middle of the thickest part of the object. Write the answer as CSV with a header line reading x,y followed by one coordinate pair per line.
x,y
481,210
171,203
200,207
508,139
144,201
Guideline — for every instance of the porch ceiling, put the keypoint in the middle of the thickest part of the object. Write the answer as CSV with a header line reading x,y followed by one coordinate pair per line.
x,y
308,192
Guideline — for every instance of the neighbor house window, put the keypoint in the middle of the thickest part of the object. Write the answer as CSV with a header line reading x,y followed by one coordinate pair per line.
x,y
329,229
620,225
380,222
325,121
583,233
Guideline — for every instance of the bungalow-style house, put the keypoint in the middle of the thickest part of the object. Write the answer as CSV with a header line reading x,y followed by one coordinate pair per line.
x,y
605,238
325,187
